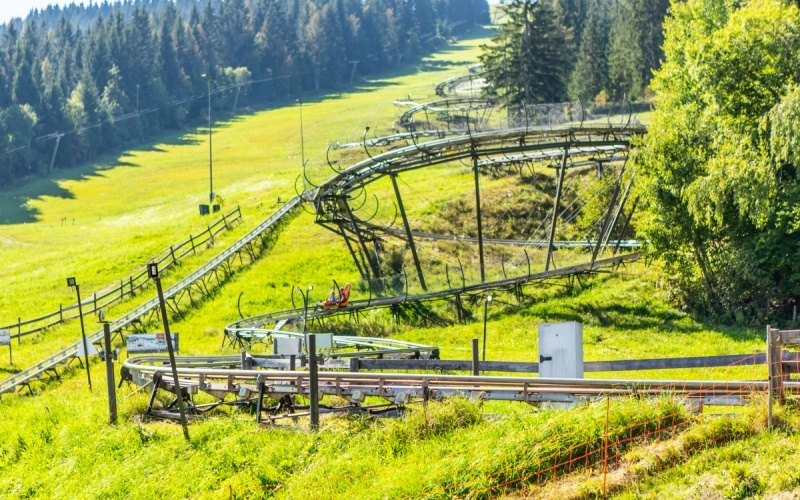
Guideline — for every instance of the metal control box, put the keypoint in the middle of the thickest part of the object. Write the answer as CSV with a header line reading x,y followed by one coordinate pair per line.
x,y
561,350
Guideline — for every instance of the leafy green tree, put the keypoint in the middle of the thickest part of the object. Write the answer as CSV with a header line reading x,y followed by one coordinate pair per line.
x,y
719,167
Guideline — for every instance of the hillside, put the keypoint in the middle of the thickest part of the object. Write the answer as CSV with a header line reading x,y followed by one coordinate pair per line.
x,y
58,444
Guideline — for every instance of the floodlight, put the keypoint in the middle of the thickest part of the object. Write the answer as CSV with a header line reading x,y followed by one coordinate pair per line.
x,y
488,298
71,282
152,270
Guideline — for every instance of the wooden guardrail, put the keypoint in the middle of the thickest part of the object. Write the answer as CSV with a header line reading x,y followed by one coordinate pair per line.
x,y
357,364
98,300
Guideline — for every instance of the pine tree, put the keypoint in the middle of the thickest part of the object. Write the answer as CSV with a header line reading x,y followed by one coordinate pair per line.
x,y
590,74
528,60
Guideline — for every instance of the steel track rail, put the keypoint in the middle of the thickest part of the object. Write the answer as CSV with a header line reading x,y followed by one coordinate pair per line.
x,y
584,140
64,356
402,387
255,322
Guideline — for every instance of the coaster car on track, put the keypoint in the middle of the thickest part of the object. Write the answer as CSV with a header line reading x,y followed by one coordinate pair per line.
x,y
335,301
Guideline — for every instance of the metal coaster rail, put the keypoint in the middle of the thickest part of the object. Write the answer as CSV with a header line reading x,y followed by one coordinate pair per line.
x,y
255,322
64,356
579,140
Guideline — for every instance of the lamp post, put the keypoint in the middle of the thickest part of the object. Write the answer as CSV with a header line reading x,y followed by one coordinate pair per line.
x,y
209,79
305,304
302,140
485,311
152,272
73,284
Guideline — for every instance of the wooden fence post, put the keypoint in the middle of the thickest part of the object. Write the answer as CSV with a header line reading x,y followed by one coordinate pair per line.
x,y
191,238
61,313
19,331
172,252
774,371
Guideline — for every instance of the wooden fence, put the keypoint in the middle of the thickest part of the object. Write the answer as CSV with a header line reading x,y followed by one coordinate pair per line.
x,y
116,293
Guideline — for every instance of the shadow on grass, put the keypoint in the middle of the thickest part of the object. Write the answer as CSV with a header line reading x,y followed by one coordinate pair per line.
x,y
14,201
647,315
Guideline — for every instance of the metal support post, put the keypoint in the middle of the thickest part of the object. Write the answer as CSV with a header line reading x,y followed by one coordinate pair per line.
x,y
171,351
475,363
112,386
376,272
559,185
313,386
353,254
260,401
604,227
478,213
408,232
83,337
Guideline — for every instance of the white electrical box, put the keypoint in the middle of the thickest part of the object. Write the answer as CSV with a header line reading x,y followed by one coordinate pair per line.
x,y
288,346
561,350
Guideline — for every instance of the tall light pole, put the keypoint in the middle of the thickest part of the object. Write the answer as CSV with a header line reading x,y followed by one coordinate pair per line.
x,y
485,311
73,284
209,79
302,142
137,98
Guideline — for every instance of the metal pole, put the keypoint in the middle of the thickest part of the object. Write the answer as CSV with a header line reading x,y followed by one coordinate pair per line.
x,y
313,386
178,391
408,232
112,393
210,157
83,337
302,140
375,269
480,222
485,311
475,362
555,210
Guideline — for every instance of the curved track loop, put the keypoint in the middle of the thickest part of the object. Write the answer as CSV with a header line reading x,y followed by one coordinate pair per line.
x,y
522,144
451,105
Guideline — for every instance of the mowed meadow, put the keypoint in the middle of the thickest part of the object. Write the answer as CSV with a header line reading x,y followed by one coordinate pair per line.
x,y
103,222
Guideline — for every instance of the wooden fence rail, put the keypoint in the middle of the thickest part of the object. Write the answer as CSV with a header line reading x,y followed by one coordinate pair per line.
x,y
356,364
108,296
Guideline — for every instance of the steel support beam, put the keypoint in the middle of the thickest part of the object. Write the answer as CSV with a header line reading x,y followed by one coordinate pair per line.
x,y
353,254
478,211
617,213
408,232
606,221
376,272
559,186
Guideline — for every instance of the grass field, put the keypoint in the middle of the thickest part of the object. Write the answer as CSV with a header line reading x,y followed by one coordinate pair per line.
x,y
126,209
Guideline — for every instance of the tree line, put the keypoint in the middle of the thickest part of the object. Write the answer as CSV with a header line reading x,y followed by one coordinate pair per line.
x,y
719,169
144,66
593,50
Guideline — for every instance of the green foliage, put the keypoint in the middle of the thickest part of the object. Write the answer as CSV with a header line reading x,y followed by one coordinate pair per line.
x,y
135,70
529,59
719,175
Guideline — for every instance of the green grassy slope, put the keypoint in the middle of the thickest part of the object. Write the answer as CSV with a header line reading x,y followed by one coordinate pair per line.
x,y
57,444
